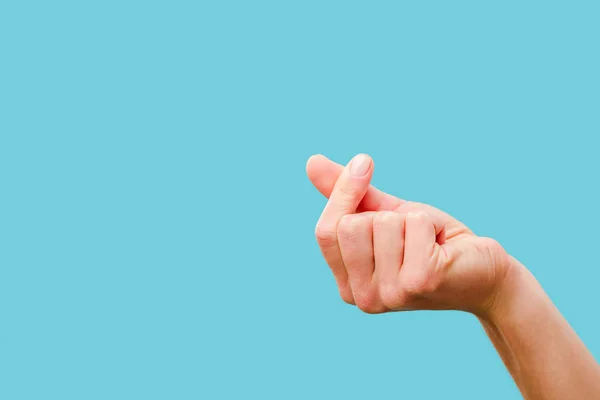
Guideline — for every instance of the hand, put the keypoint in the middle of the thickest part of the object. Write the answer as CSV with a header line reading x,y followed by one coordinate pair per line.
x,y
388,254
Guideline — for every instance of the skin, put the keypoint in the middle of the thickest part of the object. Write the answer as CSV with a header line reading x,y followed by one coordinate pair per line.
x,y
389,254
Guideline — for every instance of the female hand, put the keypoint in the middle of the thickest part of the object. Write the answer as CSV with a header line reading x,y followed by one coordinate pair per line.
x,y
391,255
394,255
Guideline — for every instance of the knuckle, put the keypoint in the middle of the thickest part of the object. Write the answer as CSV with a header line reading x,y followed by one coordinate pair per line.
x,y
350,224
412,289
346,295
384,218
367,302
346,223
419,217
391,297
326,236
420,286
349,192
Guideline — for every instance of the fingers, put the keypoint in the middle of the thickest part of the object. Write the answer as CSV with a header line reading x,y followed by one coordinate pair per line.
x,y
420,249
350,187
355,235
388,259
367,253
323,173
388,245
347,193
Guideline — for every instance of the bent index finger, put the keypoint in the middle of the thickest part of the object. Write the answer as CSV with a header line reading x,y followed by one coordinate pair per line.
x,y
347,194
323,173
348,191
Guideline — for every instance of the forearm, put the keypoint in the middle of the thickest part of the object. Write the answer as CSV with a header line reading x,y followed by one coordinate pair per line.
x,y
542,352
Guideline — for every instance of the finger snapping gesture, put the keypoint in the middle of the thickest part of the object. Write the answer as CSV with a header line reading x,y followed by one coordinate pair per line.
x,y
388,254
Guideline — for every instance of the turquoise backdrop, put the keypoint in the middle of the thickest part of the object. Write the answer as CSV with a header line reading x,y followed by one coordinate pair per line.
x,y
156,224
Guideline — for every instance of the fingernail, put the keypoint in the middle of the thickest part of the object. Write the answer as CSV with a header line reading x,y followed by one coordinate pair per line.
x,y
360,165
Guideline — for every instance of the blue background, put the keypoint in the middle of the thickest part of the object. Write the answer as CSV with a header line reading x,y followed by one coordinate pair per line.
x,y
156,223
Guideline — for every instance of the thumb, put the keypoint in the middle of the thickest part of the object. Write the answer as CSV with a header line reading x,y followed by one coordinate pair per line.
x,y
324,173
350,187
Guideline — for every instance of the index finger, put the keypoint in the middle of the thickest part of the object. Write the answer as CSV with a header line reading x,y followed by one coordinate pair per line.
x,y
324,173
349,190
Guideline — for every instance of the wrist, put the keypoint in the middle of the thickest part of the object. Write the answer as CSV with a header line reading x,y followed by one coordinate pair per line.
x,y
517,297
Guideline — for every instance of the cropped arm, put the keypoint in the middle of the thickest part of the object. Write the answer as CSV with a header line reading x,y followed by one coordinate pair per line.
x,y
542,352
